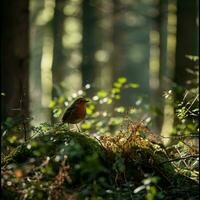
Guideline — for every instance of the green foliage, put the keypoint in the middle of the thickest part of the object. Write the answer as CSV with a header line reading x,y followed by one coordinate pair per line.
x,y
185,133
104,112
118,159
192,57
187,109
150,185
60,163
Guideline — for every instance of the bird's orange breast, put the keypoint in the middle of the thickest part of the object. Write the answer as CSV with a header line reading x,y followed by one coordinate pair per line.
x,y
78,114
81,111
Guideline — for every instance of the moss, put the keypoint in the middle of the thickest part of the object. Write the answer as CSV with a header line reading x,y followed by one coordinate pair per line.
x,y
8,194
113,161
19,154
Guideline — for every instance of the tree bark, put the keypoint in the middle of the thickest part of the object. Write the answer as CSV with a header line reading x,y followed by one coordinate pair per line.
x,y
58,66
15,58
89,42
187,40
36,47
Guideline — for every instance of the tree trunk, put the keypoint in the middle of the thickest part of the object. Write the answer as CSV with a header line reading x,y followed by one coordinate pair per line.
x,y
58,66
14,58
36,45
187,41
117,59
163,68
89,42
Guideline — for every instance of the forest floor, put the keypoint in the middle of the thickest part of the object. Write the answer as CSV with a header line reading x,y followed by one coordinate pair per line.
x,y
61,164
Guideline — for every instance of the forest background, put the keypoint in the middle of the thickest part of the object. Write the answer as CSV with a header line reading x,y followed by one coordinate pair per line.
x,y
136,61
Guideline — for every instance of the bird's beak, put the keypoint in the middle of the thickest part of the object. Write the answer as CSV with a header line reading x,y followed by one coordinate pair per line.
x,y
86,100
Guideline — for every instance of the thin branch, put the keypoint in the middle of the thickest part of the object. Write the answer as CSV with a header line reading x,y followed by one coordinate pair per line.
x,y
192,103
100,143
180,155
181,158
180,137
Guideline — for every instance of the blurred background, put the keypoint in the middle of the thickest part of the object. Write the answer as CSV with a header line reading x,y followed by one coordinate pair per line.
x,y
56,50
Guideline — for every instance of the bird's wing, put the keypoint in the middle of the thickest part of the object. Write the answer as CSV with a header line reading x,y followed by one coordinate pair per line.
x,y
67,114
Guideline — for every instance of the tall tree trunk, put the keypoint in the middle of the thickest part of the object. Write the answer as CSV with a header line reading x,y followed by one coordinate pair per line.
x,y
163,68
187,40
187,44
14,58
58,66
117,57
36,45
89,41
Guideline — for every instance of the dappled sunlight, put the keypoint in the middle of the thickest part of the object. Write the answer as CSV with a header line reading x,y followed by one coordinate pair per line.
x,y
69,81
171,39
102,56
74,60
41,60
72,36
100,100
168,120
154,60
46,65
46,14
167,127
136,53
72,7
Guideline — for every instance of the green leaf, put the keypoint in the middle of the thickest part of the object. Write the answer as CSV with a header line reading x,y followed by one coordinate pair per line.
x,y
99,124
86,125
12,139
102,93
3,94
117,97
115,120
61,100
134,85
109,101
90,108
117,85
57,112
115,90
120,109
132,110
52,104
192,57
122,79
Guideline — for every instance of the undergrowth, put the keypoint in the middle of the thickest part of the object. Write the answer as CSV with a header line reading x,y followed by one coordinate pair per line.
x,y
133,164
113,158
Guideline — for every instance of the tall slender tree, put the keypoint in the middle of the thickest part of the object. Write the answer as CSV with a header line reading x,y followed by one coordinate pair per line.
x,y
15,58
89,41
187,40
117,35
163,68
36,45
58,66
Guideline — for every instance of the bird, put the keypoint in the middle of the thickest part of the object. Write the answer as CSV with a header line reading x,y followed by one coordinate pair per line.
x,y
76,112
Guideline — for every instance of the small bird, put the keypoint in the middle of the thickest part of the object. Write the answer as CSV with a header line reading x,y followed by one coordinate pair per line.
x,y
76,112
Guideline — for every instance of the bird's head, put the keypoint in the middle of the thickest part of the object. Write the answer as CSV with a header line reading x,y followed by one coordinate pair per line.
x,y
82,100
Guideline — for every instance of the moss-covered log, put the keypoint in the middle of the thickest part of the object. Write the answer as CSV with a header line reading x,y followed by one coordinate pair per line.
x,y
66,160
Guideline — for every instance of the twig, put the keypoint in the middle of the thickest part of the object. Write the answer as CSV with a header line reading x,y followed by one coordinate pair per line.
x,y
21,102
100,143
192,103
180,137
25,132
188,146
181,158
180,155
